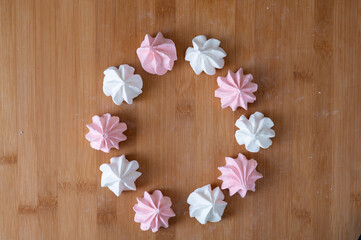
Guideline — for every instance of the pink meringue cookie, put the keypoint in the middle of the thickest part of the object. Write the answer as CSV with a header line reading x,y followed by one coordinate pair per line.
x,y
236,90
105,132
239,175
157,55
153,211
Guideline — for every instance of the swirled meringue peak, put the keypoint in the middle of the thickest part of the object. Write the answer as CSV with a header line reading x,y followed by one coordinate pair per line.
x,y
239,175
206,205
105,132
255,132
236,90
205,55
157,55
122,84
153,211
120,175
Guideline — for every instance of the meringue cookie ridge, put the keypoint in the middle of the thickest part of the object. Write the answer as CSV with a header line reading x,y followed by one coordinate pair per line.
x,y
157,55
205,55
122,84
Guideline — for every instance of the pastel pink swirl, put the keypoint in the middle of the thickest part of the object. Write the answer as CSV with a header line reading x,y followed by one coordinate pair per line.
x,y
157,55
239,175
105,132
236,90
153,211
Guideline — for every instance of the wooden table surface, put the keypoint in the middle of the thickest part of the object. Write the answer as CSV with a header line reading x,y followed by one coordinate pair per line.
x,y
305,56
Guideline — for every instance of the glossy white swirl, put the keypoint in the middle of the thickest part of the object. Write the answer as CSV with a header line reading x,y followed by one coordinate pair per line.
x,y
122,84
205,55
206,205
119,175
255,132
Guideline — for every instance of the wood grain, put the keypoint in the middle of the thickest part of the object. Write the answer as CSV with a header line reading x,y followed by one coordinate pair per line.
x,y
304,55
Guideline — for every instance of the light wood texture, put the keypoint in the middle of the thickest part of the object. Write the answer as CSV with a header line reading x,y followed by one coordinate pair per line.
x,y
305,55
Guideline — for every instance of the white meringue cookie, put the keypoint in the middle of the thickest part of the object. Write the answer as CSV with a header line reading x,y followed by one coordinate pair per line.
x,y
206,55
255,132
206,204
122,84
119,175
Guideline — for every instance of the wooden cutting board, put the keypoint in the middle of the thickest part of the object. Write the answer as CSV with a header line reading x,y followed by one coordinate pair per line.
x,y
304,55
